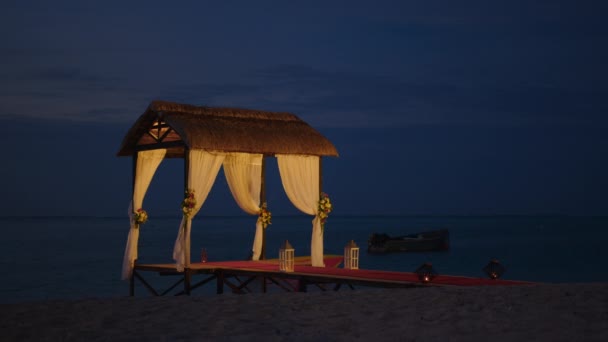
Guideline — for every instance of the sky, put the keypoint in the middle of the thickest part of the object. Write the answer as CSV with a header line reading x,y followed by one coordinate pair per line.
x,y
436,107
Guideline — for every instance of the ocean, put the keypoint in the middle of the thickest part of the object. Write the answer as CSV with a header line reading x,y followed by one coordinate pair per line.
x,y
81,257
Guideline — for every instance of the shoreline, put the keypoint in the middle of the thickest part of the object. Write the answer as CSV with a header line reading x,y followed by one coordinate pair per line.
x,y
566,312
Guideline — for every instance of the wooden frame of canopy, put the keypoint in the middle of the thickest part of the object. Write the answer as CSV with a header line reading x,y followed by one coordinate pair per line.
x,y
179,129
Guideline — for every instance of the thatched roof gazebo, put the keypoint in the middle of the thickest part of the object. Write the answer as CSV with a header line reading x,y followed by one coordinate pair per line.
x,y
237,140
177,127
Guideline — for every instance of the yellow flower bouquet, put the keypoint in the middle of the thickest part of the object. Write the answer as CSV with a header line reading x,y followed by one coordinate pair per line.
x,y
189,203
265,216
140,216
324,208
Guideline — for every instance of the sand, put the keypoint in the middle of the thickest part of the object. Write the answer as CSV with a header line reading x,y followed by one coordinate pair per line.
x,y
557,312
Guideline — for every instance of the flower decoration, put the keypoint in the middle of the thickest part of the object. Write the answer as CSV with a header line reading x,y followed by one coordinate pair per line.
x,y
188,203
141,216
265,216
324,208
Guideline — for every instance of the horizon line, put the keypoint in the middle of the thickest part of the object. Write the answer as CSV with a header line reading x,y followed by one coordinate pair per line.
x,y
304,215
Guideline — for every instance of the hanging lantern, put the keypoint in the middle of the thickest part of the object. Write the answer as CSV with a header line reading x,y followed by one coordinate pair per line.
x,y
425,272
494,269
286,257
351,256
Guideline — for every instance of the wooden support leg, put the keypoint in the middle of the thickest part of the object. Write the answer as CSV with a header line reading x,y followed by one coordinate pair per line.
x,y
220,282
243,284
187,278
277,283
201,283
172,287
145,283
132,284
321,286
302,285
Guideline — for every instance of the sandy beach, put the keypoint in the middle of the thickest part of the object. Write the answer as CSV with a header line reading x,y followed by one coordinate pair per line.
x,y
547,312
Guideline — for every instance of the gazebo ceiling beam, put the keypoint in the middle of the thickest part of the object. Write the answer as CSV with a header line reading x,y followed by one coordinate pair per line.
x,y
153,136
159,130
169,130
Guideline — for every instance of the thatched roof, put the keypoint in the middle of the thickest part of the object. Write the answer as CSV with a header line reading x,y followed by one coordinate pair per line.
x,y
173,126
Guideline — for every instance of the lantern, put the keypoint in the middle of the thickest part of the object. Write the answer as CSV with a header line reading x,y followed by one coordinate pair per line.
x,y
494,269
425,272
351,256
204,255
286,257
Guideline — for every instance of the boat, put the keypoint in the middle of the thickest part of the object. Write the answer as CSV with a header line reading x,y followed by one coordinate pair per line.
x,y
433,240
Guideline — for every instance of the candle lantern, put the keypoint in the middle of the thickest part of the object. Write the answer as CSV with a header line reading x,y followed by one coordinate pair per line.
x,y
204,255
351,256
494,269
425,272
286,257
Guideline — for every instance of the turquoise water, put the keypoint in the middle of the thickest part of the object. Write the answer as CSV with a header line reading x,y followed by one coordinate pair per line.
x,y
75,257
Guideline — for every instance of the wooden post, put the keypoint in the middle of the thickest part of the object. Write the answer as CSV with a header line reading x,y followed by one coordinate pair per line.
x,y
132,284
186,187
132,277
219,276
134,174
320,191
262,201
134,171
187,280
320,175
186,167
185,227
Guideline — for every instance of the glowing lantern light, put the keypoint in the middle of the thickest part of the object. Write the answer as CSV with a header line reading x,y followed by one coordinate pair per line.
x,y
494,269
286,257
425,272
351,256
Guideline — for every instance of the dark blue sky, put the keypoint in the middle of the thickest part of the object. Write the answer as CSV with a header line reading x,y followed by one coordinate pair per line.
x,y
436,107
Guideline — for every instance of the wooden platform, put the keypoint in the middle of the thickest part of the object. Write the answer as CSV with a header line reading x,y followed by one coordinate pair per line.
x,y
238,276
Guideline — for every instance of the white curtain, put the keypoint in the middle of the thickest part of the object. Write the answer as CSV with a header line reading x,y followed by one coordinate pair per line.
x,y
244,176
147,163
300,178
203,169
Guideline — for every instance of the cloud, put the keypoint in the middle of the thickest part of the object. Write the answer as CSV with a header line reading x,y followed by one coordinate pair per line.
x,y
343,99
66,93
322,98
393,63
